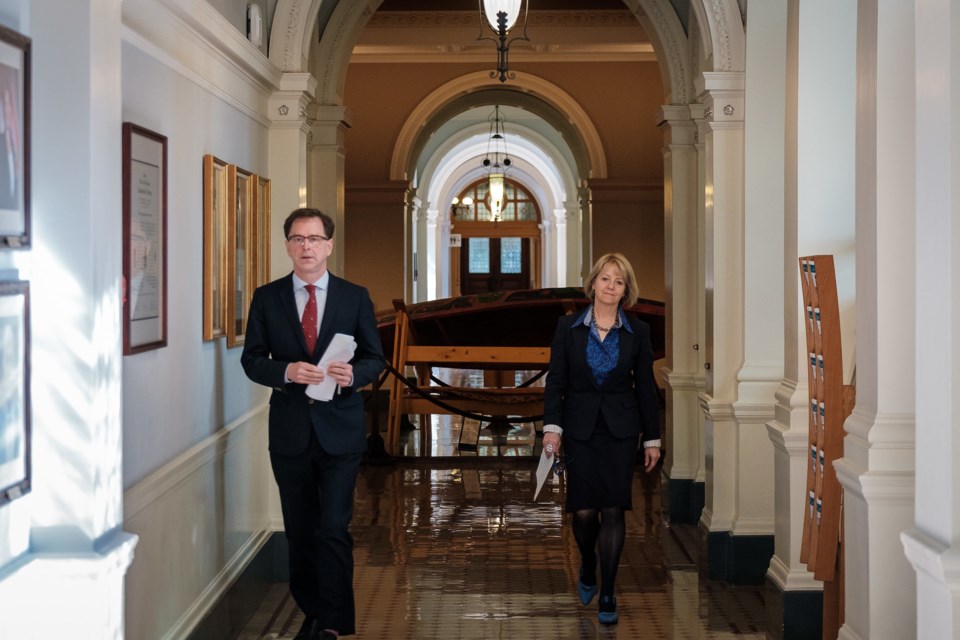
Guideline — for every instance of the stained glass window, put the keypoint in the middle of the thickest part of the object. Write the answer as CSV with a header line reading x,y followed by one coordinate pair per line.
x,y
518,204
511,253
479,255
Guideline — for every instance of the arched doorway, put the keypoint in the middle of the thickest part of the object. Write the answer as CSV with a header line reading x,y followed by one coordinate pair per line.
x,y
495,254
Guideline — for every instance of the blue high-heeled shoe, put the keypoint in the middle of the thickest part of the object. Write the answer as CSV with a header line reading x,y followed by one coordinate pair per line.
x,y
608,610
586,592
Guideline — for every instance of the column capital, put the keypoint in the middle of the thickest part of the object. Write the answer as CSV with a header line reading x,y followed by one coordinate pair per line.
x,y
288,105
723,96
328,125
670,114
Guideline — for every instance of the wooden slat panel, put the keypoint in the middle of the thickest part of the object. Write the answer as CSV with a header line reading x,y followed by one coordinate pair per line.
x,y
478,357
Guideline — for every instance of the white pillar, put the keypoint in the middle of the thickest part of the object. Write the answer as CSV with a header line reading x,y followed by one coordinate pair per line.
x,y
877,470
684,465
78,553
288,158
431,268
762,370
722,94
932,544
410,243
580,256
819,219
548,252
566,221
327,159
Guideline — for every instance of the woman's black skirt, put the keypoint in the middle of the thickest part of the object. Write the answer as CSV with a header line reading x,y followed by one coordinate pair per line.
x,y
599,471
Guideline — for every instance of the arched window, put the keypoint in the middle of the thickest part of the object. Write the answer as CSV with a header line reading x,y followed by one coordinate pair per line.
x,y
518,205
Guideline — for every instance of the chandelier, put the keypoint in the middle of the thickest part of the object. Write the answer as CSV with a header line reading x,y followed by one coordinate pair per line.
x,y
497,162
501,17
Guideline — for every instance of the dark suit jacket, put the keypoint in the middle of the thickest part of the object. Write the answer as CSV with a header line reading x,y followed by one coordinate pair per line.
x,y
628,397
274,338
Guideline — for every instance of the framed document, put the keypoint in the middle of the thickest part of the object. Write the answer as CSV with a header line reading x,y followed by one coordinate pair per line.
x,y
214,247
240,251
14,139
144,239
14,390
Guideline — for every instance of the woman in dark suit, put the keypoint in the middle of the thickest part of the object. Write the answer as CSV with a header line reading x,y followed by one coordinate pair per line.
x,y
600,397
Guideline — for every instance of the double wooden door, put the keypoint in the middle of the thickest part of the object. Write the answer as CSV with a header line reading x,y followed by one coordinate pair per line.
x,y
494,264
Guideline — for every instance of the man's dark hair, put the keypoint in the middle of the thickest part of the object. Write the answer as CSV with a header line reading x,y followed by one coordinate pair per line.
x,y
307,212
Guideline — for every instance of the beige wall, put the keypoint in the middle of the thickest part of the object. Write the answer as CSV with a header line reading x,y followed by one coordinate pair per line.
x,y
621,100
373,237
628,218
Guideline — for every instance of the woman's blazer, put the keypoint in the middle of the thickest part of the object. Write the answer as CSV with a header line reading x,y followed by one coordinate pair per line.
x,y
627,399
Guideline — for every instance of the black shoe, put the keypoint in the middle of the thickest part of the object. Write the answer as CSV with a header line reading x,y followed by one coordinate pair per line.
x,y
329,635
608,610
310,630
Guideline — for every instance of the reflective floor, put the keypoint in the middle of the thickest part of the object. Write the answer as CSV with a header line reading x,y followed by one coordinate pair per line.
x,y
460,550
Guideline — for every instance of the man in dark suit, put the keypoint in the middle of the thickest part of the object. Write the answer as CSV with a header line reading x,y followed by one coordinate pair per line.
x,y
315,446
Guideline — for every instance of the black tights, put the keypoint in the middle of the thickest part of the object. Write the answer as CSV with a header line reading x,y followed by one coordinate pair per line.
x,y
606,529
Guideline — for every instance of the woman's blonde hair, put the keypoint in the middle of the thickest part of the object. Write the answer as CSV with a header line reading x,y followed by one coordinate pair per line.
x,y
630,293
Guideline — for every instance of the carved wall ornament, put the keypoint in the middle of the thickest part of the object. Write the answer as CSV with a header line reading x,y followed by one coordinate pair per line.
x,y
728,110
283,109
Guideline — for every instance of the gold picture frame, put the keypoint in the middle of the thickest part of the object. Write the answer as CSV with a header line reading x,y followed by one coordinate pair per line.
x,y
262,195
241,251
214,246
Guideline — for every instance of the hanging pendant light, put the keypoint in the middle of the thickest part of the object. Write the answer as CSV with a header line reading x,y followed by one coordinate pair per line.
x,y
497,162
501,16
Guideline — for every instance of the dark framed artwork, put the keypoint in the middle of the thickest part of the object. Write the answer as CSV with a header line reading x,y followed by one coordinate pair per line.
x,y
14,390
144,239
214,247
14,139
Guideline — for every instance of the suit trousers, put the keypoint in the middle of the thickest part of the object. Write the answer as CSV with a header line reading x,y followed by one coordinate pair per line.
x,y
316,496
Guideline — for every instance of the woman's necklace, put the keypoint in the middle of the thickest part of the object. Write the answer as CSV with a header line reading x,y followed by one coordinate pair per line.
x,y
597,324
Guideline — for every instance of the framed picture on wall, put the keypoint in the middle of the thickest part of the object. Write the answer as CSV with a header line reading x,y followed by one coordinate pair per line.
x,y
240,251
14,390
262,232
144,239
214,247
14,139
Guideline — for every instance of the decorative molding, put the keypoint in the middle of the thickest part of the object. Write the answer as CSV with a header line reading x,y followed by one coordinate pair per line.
x,y
287,35
422,19
200,45
787,580
665,28
722,37
929,556
153,487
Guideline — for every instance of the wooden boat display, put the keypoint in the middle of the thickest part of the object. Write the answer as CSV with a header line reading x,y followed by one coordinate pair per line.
x,y
496,332
522,318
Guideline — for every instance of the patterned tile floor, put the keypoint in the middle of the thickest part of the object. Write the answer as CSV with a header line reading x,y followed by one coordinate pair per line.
x,y
458,550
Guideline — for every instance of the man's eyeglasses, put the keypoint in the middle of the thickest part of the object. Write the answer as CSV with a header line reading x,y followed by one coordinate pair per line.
x,y
310,241
560,465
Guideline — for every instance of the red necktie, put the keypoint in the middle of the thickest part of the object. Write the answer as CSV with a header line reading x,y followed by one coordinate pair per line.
x,y
309,319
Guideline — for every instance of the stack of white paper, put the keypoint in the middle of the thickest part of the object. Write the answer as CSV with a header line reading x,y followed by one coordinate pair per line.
x,y
543,470
340,349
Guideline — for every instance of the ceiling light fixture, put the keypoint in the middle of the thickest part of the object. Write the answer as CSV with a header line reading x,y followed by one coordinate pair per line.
x,y
501,17
497,162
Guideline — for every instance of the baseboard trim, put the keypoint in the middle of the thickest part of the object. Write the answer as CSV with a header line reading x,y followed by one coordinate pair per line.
x,y
685,500
740,560
798,614
207,608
